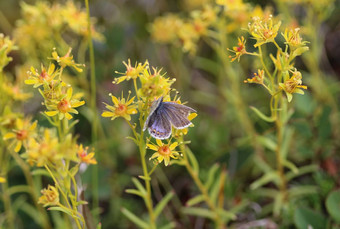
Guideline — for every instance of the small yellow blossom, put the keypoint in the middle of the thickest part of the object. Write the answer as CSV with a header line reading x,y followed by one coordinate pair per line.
x,y
65,106
14,91
263,30
38,79
131,72
85,157
2,179
122,108
239,50
44,151
257,78
163,151
50,196
24,130
293,85
188,37
66,60
164,29
154,84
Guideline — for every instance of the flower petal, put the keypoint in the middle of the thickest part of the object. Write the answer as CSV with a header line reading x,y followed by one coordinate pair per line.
x,y
9,136
68,116
107,114
18,146
153,147
69,93
51,113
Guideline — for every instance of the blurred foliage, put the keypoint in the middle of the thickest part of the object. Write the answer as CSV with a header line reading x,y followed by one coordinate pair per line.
x,y
232,157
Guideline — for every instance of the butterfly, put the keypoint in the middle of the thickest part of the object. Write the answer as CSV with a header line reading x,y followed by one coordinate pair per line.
x,y
163,115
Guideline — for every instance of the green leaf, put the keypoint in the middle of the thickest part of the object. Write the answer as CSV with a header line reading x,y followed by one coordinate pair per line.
x,y
290,165
67,211
135,219
261,115
201,212
261,164
301,171
288,135
207,65
195,200
168,226
305,217
226,215
18,188
193,160
266,192
32,212
333,205
299,51
135,192
144,178
160,206
267,142
215,189
296,192
41,172
278,202
133,139
139,186
211,175
266,178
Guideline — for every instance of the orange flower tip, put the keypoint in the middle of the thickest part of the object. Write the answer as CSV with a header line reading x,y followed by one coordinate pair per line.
x,y
48,209
245,81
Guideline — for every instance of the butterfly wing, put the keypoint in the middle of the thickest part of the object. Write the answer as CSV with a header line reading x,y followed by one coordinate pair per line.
x,y
153,108
159,125
177,114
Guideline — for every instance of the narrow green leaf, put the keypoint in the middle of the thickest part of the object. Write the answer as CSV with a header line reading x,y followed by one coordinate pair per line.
x,y
160,206
266,192
67,211
226,215
261,164
333,205
261,115
215,189
138,185
18,188
267,142
295,192
133,139
135,219
287,139
291,166
302,170
195,200
211,175
135,192
201,212
168,226
144,178
266,178
41,172
192,159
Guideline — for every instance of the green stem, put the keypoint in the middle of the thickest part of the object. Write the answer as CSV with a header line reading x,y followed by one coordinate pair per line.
x,y
201,187
8,205
93,106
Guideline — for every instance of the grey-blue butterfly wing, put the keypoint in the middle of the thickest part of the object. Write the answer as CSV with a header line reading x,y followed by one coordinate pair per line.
x,y
153,108
178,114
159,125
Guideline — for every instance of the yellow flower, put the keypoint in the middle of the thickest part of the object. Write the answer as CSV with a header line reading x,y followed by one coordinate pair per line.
x,y
239,50
6,46
263,30
188,37
164,29
154,84
50,196
122,108
38,79
85,157
131,72
2,179
163,151
257,78
14,91
24,130
65,106
44,151
66,60
293,85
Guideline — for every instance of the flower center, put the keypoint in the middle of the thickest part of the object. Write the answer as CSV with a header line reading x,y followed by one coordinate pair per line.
x,y
64,106
121,109
43,74
22,135
164,150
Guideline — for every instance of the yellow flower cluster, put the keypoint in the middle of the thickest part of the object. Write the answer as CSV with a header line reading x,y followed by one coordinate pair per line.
x,y
150,84
59,98
42,25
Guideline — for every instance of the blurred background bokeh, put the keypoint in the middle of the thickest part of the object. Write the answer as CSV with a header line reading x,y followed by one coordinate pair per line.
x,y
225,125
